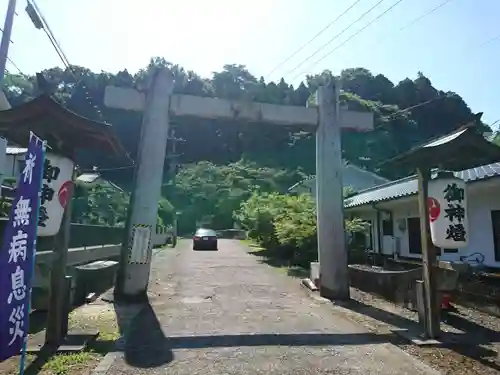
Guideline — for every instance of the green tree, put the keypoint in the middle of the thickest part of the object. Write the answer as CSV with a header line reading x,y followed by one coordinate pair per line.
x,y
205,190
285,225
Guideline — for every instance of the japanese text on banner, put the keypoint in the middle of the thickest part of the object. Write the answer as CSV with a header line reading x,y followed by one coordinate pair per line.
x,y
17,254
455,212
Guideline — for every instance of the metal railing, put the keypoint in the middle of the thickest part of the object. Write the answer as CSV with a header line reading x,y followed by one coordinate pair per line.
x,y
81,235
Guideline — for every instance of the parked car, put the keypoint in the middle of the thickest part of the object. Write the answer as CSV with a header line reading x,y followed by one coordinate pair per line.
x,y
205,239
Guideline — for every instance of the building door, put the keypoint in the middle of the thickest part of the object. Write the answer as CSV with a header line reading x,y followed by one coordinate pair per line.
x,y
495,222
414,239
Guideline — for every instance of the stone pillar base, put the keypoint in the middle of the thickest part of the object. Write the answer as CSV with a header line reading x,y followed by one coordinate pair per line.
x,y
334,295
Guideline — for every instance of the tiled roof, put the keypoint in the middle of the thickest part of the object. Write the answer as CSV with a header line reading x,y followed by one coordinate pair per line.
x,y
408,186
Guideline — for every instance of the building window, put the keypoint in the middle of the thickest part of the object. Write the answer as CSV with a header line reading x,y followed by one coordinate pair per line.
x,y
495,224
387,227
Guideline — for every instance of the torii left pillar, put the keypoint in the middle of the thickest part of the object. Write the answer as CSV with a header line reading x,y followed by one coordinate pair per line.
x,y
135,264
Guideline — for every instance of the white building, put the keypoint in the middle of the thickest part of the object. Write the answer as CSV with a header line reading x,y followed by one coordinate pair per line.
x,y
392,211
352,176
14,161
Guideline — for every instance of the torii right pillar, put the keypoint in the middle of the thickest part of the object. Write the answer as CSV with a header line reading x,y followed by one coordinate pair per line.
x,y
332,248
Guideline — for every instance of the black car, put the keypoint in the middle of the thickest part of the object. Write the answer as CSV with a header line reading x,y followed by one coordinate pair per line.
x,y
205,239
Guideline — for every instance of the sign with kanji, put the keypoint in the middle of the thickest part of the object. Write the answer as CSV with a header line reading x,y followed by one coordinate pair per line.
x,y
57,179
448,211
18,253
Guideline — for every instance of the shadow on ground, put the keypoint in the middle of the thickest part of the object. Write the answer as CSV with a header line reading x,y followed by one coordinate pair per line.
x,y
38,320
468,344
270,339
145,345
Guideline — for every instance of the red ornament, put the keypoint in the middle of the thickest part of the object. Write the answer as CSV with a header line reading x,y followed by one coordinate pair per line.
x,y
64,193
434,209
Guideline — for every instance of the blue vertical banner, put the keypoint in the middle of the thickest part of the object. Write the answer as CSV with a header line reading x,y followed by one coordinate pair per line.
x,y
17,254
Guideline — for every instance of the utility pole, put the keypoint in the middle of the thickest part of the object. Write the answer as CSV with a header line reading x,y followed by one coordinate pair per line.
x,y
432,319
7,32
173,164
133,277
173,157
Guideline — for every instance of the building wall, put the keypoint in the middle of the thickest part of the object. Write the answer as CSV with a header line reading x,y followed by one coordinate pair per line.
x,y
3,155
482,199
12,165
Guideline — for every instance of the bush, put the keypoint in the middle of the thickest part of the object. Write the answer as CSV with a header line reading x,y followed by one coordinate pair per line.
x,y
256,215
285,225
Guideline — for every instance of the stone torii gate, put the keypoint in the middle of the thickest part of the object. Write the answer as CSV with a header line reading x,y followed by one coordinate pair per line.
x,y
158,104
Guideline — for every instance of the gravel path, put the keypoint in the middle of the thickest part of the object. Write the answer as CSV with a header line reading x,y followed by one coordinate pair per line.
x,y
225,313
477,353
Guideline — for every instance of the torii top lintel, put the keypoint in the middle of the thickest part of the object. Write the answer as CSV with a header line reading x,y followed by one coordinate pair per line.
x,y
223,109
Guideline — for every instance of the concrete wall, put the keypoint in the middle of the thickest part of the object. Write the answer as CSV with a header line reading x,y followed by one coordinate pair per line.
x,y
395,286
483,197
77,256
160,239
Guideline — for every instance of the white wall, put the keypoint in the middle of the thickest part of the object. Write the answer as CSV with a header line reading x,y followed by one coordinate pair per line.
x,y
11,165
483,197
3,156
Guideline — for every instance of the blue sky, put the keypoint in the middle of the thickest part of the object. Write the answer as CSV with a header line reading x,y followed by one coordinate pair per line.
x,y
448,46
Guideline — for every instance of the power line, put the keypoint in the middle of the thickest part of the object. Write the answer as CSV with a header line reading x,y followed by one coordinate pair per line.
x,y
62,56
25,76
407,109
15,66
352,36
491,40
418,19
312,39
493,123
51,36
409,24
40,22
1,30
334,38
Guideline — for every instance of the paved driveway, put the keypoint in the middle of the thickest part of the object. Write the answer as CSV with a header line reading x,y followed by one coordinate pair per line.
x,y
226,313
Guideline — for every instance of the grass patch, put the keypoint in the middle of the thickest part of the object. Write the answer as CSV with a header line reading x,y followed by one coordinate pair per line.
x,y
63,364
96,316
252,245
269,257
